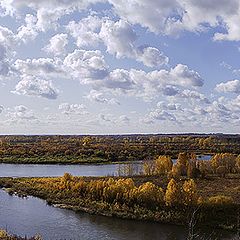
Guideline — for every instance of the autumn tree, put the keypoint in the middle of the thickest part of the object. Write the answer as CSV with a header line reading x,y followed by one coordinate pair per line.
x,y
192,170
226,160
173,194
149,194
148,168
163,165
204,167
237,165
182,162
190,192
220,200
176,171
66,180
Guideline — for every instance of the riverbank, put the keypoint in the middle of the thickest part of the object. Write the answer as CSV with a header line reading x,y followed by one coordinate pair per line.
x,y
69,196
4,235
75,160
54,160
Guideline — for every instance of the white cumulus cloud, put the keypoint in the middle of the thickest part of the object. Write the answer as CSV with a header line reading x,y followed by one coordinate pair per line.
x,y
57,45
69,109
32,86
87,65
232,86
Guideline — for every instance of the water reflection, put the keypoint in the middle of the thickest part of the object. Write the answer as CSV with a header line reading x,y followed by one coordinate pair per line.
x,y
45,170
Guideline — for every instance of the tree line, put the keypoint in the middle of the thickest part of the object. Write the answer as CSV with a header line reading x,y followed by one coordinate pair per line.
x,y
55,149
188,165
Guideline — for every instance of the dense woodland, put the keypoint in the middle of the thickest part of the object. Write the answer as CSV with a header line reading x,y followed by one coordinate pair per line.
x,y
83,149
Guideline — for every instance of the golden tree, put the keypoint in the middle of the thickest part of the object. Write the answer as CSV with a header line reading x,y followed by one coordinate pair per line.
x,y
176,171
163,165
173,194
149,194
66,180
182,158
226,160
190,192
237,165
182,162
148,168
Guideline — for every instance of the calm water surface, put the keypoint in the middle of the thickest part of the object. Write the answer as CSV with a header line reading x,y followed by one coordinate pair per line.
x,y
46,170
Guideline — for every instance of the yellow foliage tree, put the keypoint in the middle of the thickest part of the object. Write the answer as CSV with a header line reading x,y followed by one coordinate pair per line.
x,y
163,165
148,193
66,180
173,194
182,162
149,168
226,160
182,158
176,171
190,192
237,165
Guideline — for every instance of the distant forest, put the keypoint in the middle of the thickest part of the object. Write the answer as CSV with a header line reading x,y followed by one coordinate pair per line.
x,y
111,148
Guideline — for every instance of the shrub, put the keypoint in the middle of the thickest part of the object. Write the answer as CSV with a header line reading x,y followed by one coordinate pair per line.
x,y
220,200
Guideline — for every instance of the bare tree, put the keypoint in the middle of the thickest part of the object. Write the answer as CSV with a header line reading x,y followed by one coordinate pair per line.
x,y
192,233
191,225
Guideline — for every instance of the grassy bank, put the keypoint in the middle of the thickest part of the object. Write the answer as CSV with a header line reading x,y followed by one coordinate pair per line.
x,y
52,160
4,235
140,198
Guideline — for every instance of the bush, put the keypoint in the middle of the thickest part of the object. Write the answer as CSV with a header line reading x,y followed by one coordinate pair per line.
x,y
220,200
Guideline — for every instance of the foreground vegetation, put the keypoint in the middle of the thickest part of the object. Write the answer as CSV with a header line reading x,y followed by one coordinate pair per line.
x,y
102,149
4,235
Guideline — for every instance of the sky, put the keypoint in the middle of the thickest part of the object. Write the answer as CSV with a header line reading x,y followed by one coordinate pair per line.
x,y
119,66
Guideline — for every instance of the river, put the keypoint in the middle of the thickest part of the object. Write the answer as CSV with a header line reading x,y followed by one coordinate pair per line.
x,y
94,170
46,170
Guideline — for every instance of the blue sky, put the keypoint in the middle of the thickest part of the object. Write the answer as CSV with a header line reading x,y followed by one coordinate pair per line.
x,y
109,67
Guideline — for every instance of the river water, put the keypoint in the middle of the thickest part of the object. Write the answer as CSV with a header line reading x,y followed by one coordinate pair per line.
x,y
46,170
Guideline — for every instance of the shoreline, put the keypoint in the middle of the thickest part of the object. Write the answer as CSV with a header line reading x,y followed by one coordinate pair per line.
x,y
66,160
